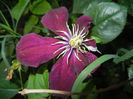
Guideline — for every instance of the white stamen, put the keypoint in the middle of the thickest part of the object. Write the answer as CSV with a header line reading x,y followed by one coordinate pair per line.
x,y
77,31
69,29
82,31
60,42
69,55
73,29
61,37
77,56
61,48
63,52
64,33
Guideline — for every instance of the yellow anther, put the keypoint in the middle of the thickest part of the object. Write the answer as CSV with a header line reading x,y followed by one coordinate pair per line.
x,y
76,41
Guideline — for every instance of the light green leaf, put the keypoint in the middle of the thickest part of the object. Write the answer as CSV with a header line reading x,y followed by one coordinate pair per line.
x,y
109,20
87,71
130,73
7,89
33,20
80,6
40,7
38,81
124,57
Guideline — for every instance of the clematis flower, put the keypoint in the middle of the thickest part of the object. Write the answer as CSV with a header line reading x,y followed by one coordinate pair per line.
x,y
70,45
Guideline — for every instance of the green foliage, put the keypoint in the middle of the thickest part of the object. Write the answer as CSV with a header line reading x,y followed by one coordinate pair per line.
x,y
18,10
88,70
40,7
80,6
38,81
3,53
109,20
124,57
130,73
8,29
33,20
128,4
7,89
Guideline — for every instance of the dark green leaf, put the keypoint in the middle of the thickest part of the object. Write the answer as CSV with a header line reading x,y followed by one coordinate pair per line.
x,y
87,71
38,81
128,4
109,19
130,73
3,26
18,10
4,19
124,57
89,86
40,7
3,53
80,6
3,73
7,89
33,20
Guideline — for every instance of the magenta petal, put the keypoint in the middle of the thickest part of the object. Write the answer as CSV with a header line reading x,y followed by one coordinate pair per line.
x,y
86,59
91,57
84,21
55,20
90,42
33,49
63,75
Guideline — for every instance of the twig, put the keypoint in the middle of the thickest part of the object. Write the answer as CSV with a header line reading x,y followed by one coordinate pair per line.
x,y
27,91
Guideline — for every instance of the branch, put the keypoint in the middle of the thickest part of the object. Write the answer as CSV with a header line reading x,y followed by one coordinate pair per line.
x,y
27,91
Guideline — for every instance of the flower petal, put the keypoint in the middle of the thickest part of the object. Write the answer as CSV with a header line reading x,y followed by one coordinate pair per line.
x,y
55,20
33,49
90,44
84,21
85,59
63,74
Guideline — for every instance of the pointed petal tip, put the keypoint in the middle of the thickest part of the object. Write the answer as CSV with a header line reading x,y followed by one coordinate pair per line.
x,y
56,20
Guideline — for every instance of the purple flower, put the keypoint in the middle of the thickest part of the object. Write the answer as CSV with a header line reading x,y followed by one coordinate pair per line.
x,y
71,46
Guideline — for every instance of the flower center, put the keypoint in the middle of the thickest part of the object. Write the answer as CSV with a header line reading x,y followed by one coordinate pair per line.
x,y
76,41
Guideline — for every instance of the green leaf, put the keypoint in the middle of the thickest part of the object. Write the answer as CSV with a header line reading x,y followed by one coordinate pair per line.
x,y
3,53
130,73
18,10
109,20
33,20
40,7
86,86
80,6
4,19
38,81
124,57
7,89
3,26
128,4
3,73
87,71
